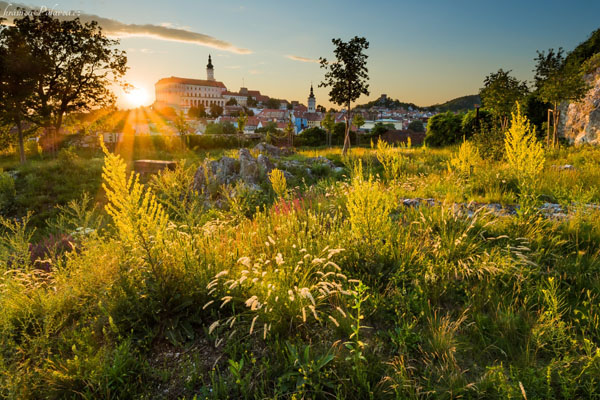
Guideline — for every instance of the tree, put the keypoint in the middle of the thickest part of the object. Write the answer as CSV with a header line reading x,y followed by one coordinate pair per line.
x,y
347,76
328,122
75,66
358,121
443,129
216,110
273,103
251,102
231,102
228,128
213,129
416,126
17,82
197,112
242,120
557,81
290,130
181,124
500,93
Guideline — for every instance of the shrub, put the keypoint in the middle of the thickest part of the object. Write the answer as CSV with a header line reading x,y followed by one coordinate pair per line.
x,y
443,129
391,160
466,159
311,137
525,155
7,191
278,182
470,125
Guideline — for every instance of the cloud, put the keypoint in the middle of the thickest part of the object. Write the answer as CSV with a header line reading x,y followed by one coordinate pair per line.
x,y
116,28
232,67
302,59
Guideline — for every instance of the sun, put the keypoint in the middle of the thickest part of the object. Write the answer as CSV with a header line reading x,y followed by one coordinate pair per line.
x,y
136,96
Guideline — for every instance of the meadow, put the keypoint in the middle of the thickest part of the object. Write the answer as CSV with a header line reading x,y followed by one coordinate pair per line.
x,y
322,286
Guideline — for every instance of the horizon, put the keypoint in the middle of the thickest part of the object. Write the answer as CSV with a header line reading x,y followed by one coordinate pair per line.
x,y
274,48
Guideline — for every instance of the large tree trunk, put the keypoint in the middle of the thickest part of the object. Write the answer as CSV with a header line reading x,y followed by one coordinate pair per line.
x,y
347,135
21,143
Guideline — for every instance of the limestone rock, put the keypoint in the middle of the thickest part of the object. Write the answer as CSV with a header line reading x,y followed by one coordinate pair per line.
x,y
580,122
272,151
266,166
249,171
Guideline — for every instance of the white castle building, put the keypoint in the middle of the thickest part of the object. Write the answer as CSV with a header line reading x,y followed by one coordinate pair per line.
x,y
183,93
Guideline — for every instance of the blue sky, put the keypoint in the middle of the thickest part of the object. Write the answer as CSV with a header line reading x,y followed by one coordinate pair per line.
x,y
421,51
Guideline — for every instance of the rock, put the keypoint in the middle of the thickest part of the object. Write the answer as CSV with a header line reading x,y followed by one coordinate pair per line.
x,y
580,122
265,165
249,171
225,170
273,151
564,167
322,160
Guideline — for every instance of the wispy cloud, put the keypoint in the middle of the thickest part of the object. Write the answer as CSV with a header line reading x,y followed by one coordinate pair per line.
x,y
115,28
302,59
232,67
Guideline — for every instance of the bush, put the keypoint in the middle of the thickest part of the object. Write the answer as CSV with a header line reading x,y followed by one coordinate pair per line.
x,y
311,137
444,129
470,126
416,126
7,191
212,142
466,159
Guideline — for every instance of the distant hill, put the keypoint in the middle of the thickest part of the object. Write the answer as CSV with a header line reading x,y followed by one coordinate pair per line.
x,y
389,103
463,103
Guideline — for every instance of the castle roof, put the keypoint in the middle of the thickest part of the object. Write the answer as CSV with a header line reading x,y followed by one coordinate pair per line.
x,y
187,81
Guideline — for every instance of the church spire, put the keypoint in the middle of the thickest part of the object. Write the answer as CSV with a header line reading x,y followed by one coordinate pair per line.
x,y
312,95
311,100
210,71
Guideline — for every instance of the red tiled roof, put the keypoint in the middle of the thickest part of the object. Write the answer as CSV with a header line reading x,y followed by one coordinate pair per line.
x,y
187,81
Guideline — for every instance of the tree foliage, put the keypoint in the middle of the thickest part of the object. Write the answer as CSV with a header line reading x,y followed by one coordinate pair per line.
x,y
416,126
75,66
347,76
444,129
557,80
500,93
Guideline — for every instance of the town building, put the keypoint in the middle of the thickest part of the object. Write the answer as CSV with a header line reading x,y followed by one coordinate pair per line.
x,y
183,93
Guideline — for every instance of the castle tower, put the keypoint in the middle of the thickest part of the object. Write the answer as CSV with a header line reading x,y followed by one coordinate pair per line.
x,y
311,101
210,71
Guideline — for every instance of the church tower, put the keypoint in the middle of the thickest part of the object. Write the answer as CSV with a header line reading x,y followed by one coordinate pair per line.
x,y
311,101
210,71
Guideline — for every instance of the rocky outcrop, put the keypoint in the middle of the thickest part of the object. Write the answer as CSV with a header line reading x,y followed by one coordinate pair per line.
x,y
580,122
272,151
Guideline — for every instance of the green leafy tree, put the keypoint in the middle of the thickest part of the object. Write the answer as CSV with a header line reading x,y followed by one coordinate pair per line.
x,y
242,120
75,67
273,103
500,93
197,112
17,82
216,110
328,122
556,81
231,102
290,130
229,128
214,129
251,102
182,126
443,129
347,76
416,126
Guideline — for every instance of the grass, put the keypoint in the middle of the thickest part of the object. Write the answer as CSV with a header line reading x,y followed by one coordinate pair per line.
x,y
329,289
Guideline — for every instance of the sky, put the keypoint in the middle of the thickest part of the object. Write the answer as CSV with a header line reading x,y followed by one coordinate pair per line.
x,y
425,52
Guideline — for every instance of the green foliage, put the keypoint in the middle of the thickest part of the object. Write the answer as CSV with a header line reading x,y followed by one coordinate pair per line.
x,y
465,160
314,136
278,182
524,154
7,191
443,129
416,126
391,160
500,93
470,125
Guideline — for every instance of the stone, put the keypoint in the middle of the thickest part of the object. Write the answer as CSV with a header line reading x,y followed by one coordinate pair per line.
x,y
145,167
580,122
265,165
249,171
273,151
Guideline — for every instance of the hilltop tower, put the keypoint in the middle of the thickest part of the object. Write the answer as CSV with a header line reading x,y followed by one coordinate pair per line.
x,y
210,71
311,101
